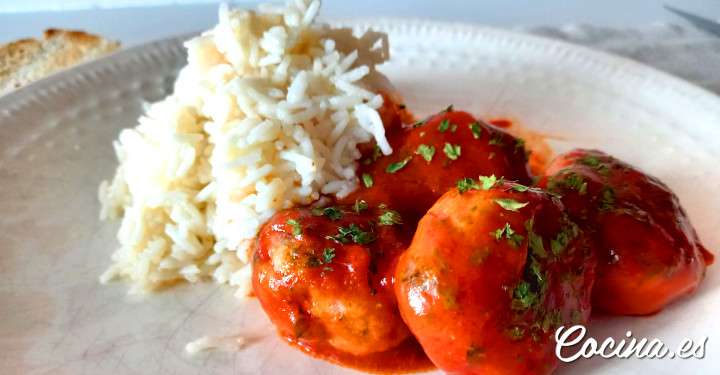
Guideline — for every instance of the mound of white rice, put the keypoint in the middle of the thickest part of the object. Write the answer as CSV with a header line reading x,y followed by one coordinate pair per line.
x,y
266,115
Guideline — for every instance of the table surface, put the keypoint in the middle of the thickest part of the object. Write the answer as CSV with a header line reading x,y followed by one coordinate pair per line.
x,y
127,21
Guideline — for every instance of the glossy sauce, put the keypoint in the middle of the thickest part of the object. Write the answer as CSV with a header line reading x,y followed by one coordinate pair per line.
x,y
540,151
414,187
336,305
648,252
408,357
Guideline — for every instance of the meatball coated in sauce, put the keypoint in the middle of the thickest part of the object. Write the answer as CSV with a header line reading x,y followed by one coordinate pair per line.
x,y
648,252
325,277
490,275
430,156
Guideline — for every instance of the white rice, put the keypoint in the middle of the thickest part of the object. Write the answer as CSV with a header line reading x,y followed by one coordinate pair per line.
x,y
266,115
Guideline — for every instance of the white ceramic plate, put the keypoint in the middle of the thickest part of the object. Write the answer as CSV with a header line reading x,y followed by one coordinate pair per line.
x,y
55,148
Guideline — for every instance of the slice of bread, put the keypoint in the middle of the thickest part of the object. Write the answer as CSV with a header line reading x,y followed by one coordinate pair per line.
x,y
27,60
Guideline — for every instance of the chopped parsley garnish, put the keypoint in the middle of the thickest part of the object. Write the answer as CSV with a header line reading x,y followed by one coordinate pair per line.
x,y
359,206
607,201
487,182
367,180
452,151
422,134
367,161
355,233
492,155
313,262
419,124
508,233
449,108
497,140
390,217
510,204
444,125
453,128
376,153
558,244
426,152
535,242
328,255
333,213
296,224
519,143
593,162
392,168
519,187
476,130
466,184
570,180
523,297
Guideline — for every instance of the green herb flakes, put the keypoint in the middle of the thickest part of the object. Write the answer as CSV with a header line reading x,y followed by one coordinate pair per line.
x,y
392,168
390,217
452,151
333,213
487,182
507,233
355,233
607,200
519,187
444,125
376,153
367,180
328,255
449,108
570,180
453,128
426,152
510,204
593,162
466,184
419,124
497,140
359,206
523,297
476,130
535,242
313,262
298,229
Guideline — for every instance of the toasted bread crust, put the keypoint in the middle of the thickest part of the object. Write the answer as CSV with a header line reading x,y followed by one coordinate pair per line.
x,y
26,60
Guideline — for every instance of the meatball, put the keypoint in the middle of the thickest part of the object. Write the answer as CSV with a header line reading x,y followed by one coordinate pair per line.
x,y
491,272
430,156
648,252
325,277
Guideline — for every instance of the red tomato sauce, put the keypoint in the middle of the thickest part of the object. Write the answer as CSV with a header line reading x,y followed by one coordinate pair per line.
x,y
408,357
540,151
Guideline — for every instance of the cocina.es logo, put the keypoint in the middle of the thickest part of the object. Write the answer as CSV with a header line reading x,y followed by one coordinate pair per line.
x,y
568,340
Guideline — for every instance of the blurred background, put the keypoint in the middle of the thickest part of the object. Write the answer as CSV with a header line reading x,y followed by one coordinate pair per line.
x,y
137,21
